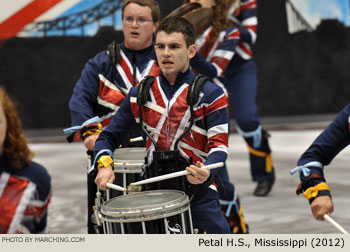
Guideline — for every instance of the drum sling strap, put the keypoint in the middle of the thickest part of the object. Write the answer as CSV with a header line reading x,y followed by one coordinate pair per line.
x,y
114,58
169,161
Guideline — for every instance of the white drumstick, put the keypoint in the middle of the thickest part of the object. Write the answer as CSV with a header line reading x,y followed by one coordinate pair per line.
x,y
116,187
136,139
334,223
174,174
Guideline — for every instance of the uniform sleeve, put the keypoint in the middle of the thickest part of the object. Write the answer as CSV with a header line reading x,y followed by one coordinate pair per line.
x,y
38,207
222,55
330,142
216,123
322,151
118,128
85,93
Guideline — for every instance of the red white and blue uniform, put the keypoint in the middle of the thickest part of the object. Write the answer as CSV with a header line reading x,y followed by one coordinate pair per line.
x,y
24,198
96,95
325,147
228,60
166,115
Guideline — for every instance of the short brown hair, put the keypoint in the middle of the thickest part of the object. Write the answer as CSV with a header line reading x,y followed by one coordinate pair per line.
x,y
178,24
152,4
15,145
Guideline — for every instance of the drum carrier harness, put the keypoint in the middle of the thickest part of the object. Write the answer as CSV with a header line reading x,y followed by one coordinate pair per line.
x,y
169,161
114,58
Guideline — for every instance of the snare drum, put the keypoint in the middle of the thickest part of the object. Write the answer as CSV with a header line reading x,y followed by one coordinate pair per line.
x,y
128,164
149,212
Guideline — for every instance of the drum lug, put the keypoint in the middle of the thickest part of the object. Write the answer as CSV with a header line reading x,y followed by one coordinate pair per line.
x,y
97,207
98,216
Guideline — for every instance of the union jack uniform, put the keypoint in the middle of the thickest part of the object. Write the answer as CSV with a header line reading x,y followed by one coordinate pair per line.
x,y
166,115
245,17
228,60
24,198
217,56
96,95
324,148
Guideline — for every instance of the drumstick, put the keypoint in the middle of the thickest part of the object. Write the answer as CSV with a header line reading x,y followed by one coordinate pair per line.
x,y
334,223
136,139
174,174
116,187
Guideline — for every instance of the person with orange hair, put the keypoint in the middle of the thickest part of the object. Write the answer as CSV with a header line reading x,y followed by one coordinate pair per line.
x,y
25,186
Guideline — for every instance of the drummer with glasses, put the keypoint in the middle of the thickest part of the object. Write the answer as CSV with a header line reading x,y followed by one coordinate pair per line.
x,y
105,81
166,113
140,21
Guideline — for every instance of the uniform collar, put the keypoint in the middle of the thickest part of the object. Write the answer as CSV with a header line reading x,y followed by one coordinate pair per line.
x,y
185,77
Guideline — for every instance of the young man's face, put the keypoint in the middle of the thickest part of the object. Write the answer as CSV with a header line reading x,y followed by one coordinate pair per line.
x,y
172,54
138,26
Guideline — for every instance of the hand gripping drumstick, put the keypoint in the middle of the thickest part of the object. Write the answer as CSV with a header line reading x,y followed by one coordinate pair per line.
x,y
174,174
116,187
334,223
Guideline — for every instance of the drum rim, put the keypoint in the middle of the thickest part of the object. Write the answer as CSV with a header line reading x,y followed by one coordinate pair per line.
x,y
128,165
182,209
179,205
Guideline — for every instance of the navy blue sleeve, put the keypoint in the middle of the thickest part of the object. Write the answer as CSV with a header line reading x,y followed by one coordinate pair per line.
x,y
325,147
330,142
84,98
201,65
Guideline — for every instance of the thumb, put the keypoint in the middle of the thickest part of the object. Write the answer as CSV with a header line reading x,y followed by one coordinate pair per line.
x,y
199,164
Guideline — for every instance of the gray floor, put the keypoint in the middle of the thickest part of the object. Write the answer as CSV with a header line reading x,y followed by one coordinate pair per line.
x,y
281,212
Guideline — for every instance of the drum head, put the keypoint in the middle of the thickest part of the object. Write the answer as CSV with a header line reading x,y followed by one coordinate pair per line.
x,y
129,160
144,206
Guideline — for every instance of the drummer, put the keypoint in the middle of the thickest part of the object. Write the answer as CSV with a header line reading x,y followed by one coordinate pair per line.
x,y
100,90
206,143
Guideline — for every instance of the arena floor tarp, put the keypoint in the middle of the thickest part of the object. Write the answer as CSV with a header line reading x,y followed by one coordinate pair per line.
x,y
282,212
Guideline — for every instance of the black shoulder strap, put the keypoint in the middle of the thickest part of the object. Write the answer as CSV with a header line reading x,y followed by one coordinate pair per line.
x,y
142,97
143,90
114,58
114,52
195,89
192,95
